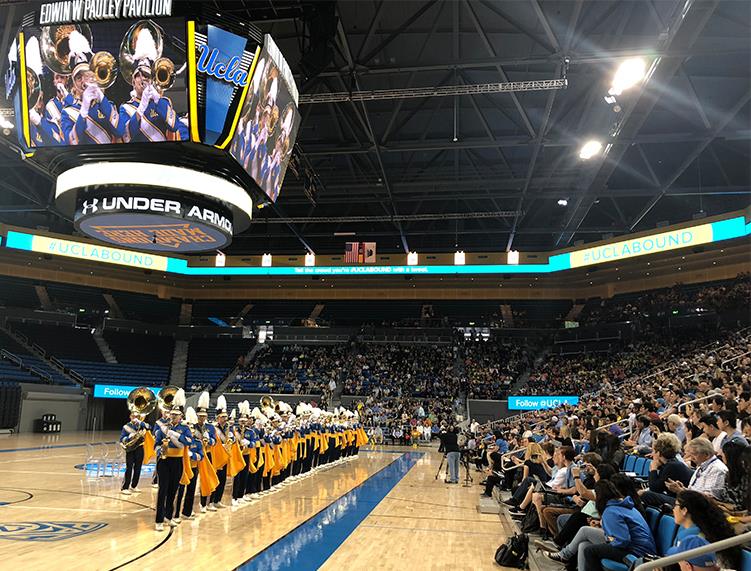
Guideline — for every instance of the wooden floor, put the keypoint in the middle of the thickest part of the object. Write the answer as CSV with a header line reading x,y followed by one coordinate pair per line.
x,y
55,516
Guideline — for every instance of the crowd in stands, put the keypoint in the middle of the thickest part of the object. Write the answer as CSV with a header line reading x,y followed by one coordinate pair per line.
x,y
405,420
386,370
300,369
691,423
675,300
491,368
577,373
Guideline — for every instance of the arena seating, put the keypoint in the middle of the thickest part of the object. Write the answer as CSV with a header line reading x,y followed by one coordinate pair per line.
x,y
136,348
18,293
209,360
63,342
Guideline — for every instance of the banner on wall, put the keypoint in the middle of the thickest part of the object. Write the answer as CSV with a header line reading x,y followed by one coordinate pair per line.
x,y
540,402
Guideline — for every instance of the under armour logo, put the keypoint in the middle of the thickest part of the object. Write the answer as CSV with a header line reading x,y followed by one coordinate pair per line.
x,y
89,206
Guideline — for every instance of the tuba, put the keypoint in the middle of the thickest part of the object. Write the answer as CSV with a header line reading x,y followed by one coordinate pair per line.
x,y
166,396
140,401
267,401
54,45
163,68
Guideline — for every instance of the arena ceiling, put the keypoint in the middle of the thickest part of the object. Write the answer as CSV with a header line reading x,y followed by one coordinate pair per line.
x,y
486,171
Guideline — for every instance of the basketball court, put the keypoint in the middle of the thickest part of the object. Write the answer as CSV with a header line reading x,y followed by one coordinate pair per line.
x,y
384,509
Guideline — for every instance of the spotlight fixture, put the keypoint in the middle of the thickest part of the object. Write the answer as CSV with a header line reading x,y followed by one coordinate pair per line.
x,y
266,261
310,259
562,202
459,258
412,259
590,149
628,74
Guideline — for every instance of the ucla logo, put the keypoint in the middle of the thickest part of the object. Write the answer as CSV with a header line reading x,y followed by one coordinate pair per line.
x,y
47,530
229,72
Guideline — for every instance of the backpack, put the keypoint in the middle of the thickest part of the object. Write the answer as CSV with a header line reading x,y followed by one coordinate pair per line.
x,y
514,552
530,523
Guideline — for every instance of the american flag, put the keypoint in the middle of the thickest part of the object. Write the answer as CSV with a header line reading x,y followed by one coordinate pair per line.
x,y
360,253
351,252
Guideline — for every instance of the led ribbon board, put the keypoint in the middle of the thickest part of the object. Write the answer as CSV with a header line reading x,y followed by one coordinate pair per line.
x,y
117,391
718,231
540,402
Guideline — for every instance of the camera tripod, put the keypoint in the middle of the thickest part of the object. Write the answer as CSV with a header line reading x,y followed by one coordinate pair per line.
x,y
464,461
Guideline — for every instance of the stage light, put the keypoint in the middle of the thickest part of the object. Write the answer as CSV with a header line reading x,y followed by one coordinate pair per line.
x,y
590,149
266,261
310,259
412,259
563,202
628,74
512,257
220,261
459,258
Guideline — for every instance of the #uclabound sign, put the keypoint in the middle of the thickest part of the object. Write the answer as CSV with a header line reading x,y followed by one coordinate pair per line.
x,y
154,222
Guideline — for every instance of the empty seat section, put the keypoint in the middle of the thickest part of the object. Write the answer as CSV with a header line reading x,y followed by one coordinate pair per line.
x,y
141,349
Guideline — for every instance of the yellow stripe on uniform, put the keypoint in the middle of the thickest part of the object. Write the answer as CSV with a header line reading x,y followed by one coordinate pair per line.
x,y
192,91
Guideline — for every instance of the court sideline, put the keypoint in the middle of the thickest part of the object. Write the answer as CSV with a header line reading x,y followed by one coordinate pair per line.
x,y
384,510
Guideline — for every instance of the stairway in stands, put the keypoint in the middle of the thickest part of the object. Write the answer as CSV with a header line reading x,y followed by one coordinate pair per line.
x,y
104,347
232,374
575,311
179,364
507,314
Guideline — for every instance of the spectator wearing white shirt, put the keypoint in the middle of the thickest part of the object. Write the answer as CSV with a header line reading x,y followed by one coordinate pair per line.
x,y
709,477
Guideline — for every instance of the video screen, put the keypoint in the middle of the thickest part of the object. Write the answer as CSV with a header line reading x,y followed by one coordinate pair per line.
x,y
106,83
269,121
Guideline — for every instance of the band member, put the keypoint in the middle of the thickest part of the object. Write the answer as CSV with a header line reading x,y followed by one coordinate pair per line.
x,y
89,118
196,453
133,457
161,423
170,444
223,434
240,479
207,432
53,110
42,131
256,459
148,116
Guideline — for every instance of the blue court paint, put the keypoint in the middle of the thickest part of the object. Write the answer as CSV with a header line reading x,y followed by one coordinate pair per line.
x,y
311,543
54,446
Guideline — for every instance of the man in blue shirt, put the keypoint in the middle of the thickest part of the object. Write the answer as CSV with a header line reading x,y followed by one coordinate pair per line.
x,y
134,457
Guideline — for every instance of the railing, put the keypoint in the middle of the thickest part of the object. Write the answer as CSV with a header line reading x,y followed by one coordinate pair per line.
x,y
11,357
700,399
41,374
736,357
664,562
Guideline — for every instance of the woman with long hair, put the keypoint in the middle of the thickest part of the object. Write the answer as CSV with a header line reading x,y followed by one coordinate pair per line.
x,y
736,453
702,517
626,531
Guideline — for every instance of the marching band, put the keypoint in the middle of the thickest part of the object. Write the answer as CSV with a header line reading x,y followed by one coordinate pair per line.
x,y
79,112
261,450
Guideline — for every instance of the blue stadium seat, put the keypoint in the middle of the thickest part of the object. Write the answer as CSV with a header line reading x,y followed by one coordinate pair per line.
x,y
653,518
746,560
641,467
665,536
628,463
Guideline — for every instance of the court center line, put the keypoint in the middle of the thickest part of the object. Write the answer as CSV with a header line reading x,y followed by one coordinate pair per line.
x,y
312,542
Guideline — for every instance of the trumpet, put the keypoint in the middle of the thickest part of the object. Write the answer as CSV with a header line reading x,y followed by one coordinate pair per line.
x,y
163,449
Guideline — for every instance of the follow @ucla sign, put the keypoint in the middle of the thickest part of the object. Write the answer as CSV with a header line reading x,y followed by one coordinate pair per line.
x,y
117,391
540,402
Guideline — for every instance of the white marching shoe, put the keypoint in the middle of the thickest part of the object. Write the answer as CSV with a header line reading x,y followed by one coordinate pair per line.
x,y
203,509
234,503
173,523
125,492
177,521
211,508
159,527
219,505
